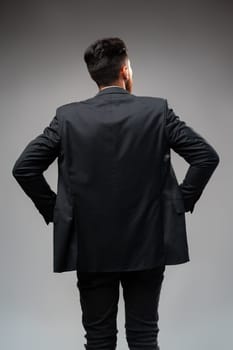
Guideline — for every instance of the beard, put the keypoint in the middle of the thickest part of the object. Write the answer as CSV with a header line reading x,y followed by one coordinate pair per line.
x,y
129,85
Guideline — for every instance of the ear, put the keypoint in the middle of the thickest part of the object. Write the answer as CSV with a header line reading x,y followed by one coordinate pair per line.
x,y
125,72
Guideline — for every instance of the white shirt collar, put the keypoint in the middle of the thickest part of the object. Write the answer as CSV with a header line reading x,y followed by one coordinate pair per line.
x,y
111,86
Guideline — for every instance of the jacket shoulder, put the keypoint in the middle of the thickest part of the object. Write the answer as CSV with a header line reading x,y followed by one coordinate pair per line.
x,y
139,98
67,106
150,100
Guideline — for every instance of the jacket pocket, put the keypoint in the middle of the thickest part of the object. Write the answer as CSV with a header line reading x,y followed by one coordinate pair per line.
x,y
179,205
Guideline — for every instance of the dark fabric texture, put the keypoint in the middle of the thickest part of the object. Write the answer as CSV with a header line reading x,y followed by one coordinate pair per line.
x,y
118,204
99,296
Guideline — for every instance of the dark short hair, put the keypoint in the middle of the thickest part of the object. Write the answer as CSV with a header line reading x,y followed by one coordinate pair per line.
x,y
104,58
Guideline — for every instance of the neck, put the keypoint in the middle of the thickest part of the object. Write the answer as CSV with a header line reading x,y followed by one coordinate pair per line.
x,y
120,84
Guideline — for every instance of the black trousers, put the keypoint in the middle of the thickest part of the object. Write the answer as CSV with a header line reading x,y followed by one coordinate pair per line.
x,y
99,295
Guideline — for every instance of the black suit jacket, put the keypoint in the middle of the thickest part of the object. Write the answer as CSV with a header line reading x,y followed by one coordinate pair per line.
x,y
118,204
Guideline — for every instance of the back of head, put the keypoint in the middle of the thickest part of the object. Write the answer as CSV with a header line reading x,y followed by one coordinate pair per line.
x,y
104,58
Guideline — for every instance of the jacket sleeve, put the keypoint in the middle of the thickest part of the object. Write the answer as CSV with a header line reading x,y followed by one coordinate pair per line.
x,y
201,156
33,161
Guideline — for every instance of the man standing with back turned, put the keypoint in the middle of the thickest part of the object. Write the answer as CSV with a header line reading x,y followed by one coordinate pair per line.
x,y
119,212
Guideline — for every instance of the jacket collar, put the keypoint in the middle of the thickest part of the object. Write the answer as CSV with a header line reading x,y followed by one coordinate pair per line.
x,y
112,90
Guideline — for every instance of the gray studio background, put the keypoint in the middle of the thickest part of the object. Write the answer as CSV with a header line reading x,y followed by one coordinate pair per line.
x,y
180,50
